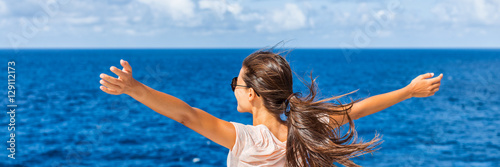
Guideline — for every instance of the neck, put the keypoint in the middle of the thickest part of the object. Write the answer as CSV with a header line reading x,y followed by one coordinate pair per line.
x,y
263,116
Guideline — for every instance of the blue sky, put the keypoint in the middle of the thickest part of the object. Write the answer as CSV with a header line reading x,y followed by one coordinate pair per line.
x,y
249,24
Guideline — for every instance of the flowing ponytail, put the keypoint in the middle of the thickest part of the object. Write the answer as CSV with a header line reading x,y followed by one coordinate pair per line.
x,y
314,136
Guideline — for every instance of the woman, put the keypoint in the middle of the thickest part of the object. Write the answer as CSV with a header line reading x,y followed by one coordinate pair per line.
x,y
310,135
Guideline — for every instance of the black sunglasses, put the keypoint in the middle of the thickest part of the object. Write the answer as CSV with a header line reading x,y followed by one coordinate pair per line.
x,y
233,85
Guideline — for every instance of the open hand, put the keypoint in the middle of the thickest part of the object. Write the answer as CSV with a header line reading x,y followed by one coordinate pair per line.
x,y
123,84
424,85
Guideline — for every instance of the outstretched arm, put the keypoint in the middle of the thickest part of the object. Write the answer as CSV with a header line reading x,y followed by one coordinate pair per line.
x,y
421,86
215,129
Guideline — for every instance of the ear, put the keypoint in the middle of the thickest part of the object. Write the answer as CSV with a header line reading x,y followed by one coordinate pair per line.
x,y
251,95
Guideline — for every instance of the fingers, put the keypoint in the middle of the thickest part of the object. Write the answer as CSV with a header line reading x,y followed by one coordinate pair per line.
x,y
125,65
435,90
432,87
109,85
110,79
436,79
107,90
427,75
118,72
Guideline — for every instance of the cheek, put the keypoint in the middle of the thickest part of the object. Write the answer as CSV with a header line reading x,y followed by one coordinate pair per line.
x,y
243,104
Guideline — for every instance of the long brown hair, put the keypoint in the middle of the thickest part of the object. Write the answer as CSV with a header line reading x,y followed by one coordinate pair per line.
x,y
314,137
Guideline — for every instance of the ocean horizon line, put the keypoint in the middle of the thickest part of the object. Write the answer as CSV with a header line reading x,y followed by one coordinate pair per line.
x,y
245,48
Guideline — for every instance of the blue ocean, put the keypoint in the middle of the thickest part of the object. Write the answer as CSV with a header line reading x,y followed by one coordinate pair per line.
x,y
64,119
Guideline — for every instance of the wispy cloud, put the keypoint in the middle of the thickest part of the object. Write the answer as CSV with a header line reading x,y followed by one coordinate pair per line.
x,y
467,12
291,17
238,23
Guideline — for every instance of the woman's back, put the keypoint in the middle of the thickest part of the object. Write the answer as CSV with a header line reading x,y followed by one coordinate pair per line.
x,y
256,146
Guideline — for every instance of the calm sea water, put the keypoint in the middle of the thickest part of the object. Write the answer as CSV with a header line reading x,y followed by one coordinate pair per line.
x,y
64,119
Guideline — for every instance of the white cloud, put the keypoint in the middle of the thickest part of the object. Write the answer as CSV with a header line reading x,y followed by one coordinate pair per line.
x,y
83,20
466,12
119,20
231,20
249,17
487,11
220,7
290,18
384,33
176,9
349,15
3,8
